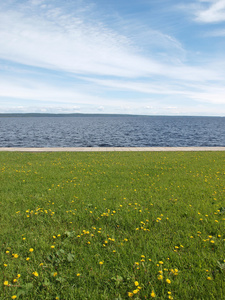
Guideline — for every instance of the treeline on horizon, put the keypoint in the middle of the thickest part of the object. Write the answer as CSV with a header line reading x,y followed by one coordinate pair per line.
x,y
61,115
7,115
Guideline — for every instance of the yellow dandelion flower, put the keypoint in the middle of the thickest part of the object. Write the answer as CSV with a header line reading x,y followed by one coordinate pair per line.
x,y
168,281
136,283
27,258
35,274
135,291
15,255
101,262
31,250
153,295
160,277
130,294
14,297
5,265
52,246
209,278
6,282
55,274
161,262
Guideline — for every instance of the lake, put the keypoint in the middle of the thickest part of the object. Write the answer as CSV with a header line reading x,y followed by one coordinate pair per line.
x,y
112,131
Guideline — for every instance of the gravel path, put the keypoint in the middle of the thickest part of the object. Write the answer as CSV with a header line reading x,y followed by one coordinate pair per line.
x,y
104,149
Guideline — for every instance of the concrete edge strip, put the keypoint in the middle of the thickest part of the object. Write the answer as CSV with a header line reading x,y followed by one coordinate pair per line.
x,y
108,149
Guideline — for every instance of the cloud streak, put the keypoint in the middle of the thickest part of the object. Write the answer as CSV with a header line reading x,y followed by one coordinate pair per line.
x,y
206,11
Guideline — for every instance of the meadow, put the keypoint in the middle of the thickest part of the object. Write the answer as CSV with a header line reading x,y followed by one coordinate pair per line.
x,y
112,225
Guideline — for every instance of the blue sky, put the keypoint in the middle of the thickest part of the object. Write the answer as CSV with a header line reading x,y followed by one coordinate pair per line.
x,y
152,57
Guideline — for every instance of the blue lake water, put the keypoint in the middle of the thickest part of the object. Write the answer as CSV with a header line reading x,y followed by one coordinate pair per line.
x,y
112,131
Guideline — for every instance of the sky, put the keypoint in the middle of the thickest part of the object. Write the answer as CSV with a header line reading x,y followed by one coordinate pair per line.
x,y
145,57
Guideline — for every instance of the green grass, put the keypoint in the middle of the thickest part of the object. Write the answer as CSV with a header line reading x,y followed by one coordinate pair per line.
x,y
108,225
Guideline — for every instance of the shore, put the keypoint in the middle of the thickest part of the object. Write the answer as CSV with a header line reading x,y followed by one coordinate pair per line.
x,y
103,149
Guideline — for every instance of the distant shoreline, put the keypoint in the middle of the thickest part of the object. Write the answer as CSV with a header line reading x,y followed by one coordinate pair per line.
x,y
10,115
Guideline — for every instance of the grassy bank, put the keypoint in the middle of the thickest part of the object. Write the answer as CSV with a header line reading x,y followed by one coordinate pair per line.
x,y
130,225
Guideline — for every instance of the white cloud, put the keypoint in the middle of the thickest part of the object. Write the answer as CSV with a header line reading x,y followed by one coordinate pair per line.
x,y
67,42
210,11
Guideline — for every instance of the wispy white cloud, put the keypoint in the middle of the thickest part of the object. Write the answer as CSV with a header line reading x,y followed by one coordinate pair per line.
x,y
207,11
57,40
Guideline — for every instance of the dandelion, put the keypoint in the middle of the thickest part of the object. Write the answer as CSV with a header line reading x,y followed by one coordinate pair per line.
x,y
15,255
35,274
160,277
6,282
31,250
135,291
14,297
168,281
161,262
136,283
78,274
55,274
130,294
101,262
209,278
153,295
52,246
5,265
27,258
